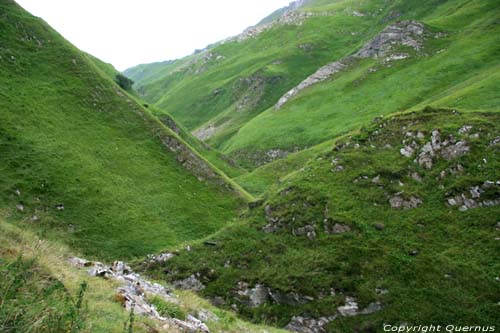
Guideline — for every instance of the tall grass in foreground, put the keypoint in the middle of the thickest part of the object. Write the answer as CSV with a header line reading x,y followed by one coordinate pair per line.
x,y
32,301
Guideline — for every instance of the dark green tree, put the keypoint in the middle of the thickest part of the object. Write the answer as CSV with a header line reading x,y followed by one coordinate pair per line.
x,y
124,82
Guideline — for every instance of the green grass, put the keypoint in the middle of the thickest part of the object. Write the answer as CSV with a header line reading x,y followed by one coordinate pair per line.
x,y
354,97
451,280
69,136
460,68
32,301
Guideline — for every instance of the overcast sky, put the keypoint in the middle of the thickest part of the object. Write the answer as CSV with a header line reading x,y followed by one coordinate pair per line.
x,y
130,32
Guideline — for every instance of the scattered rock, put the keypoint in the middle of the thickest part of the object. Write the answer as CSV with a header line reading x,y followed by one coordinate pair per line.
x,y
20,207
60,207
407,151
133,291
338,168
303,230
380,226
17,192
406,33
350,308
416,176
414,253
189,283
464,130
398,202
289,298
337,228
206,316
495,141
308,324
372,308
425,161
457,150
161,258
321,75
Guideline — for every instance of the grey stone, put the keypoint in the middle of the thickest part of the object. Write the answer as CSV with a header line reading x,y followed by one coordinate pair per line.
x,y
303,230
398,202
372,308
289,298
457,150
350,308
253,297
425,161
380,226
206,315
189,283
339,229
465,129
407,151
303,324
416,176
401,33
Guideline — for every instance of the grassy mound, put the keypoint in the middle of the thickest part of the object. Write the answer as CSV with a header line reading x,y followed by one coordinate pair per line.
x,y
330,232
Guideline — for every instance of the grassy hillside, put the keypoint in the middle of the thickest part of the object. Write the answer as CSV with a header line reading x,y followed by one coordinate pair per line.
x,y
40,291
229,91
466,58
380,229
83,161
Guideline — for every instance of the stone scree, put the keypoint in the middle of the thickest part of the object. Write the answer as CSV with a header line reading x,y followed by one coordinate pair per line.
x,y
133,292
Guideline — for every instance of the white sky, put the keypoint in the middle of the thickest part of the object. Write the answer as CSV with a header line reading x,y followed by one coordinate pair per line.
x,y
130,32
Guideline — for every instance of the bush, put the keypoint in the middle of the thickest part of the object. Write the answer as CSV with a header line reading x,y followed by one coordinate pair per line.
x,y
124,82
166,309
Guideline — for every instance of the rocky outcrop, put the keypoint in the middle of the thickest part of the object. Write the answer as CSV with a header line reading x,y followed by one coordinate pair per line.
x,y
407,33
260,294
351,308
289,16
436,147
190,283
134,291
304,324
399,202
206,132
321,75
309,325
476,197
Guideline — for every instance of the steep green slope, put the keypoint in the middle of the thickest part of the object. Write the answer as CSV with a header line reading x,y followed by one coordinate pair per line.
x,y
466,56
395,224
226,94
85,162
230,83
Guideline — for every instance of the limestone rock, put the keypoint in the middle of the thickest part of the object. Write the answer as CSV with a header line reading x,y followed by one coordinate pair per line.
x,y
398,202
291,298
337,228
189,283
350,308
457,150
308,324
401,33
253,297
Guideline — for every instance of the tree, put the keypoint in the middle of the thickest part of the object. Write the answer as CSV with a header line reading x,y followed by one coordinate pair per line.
x,y
124,82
